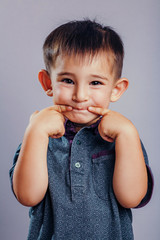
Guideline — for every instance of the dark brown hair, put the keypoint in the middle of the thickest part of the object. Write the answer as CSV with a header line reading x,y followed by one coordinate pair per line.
x,y
81,38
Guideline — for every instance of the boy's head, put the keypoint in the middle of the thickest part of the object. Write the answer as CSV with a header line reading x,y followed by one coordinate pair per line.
x,y
84,63
84,38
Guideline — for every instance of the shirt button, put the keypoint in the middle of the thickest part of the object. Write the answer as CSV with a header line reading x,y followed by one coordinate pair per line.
x,y
78,142
77,165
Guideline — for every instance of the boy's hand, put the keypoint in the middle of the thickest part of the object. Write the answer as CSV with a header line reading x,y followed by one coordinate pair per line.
x,y
112,124
130,173
49,121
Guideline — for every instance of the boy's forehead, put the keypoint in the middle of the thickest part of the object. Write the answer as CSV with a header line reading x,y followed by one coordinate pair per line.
x,y
103,58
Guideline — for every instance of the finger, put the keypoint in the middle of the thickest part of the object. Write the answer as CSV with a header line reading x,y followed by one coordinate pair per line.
x,y
107,138
57,136
61,108
98,110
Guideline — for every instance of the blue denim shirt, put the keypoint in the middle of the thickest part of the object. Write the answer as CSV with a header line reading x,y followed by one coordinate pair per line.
x,y
80,203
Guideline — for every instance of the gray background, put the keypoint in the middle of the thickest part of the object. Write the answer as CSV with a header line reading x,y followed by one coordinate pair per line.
x,y
24,26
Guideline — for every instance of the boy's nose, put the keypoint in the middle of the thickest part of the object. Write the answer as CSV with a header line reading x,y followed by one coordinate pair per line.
x,y
80,94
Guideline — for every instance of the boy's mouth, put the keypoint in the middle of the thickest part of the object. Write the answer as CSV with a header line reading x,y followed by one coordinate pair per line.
x,y
79,109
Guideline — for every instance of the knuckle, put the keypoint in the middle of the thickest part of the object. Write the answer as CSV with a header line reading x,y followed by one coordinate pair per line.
x,y
33,115
57,108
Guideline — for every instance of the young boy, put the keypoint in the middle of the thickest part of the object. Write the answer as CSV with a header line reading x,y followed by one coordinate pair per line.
x,y
81,166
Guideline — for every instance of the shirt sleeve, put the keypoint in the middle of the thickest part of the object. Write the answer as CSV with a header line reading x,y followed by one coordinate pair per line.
x,y
148,195
14,164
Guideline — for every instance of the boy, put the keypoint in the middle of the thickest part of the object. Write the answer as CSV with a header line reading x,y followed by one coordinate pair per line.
x,y
81,166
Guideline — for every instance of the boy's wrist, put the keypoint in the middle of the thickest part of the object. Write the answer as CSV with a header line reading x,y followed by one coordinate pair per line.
x,y
36,132
128,132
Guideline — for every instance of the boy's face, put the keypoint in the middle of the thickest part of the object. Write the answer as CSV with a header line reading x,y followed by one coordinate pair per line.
x,y
81,83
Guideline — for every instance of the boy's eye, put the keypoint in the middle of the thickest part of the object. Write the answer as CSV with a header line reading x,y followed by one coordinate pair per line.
x,y
67,80
96,83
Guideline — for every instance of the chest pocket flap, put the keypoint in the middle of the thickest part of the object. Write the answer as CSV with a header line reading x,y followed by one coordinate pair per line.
x,y
102,171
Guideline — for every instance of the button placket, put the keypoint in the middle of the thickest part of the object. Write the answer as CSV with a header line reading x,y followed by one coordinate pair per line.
x,y
77,170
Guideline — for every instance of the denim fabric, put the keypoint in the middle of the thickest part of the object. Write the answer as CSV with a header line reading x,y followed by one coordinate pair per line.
x,y
80,203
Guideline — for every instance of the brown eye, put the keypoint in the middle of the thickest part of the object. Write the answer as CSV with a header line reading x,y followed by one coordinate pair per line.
x,y
96,83
67,80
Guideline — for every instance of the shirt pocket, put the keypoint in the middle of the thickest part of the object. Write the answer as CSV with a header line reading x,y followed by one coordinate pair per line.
x,y
102,172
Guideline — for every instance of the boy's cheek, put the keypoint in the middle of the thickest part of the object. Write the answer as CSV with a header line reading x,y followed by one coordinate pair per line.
x,y
59,95
101,101
59,100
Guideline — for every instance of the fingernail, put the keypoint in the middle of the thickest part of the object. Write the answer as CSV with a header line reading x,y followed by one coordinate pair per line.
x,y
69,108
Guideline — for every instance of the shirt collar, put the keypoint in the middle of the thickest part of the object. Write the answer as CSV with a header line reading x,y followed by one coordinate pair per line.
x,y
70,128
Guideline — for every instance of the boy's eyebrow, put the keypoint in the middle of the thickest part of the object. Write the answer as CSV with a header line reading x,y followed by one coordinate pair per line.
x,y
99,76
65,73
92,75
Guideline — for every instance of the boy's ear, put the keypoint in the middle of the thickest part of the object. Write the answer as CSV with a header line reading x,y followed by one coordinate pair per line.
x,y
119,88
45,81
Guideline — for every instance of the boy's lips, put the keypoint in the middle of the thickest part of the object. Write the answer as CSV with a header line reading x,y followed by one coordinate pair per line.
x,y
79,109
83,110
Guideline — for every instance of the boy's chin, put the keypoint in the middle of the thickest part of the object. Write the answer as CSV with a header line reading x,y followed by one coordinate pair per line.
x,y
83,120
